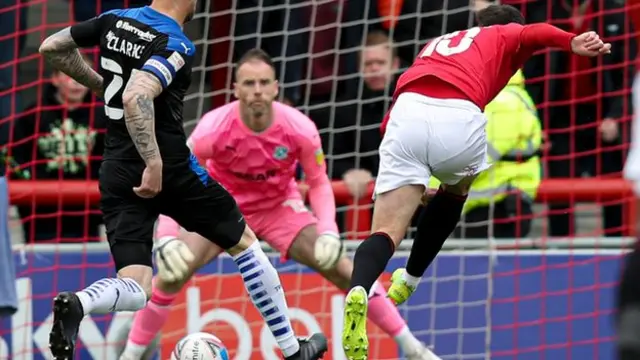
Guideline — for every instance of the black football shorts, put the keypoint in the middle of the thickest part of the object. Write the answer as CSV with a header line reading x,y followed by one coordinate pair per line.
x,y
189,196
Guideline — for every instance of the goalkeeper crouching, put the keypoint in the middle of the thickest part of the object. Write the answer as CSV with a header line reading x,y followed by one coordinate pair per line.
x,y
252,147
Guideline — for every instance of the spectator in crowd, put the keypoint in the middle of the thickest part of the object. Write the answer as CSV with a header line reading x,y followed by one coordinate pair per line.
x,y
353,141
86,9
59,138
587,120
500,203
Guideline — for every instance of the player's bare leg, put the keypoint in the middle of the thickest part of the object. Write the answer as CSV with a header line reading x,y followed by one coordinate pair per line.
x,y
128,292
392,214
381,310
251,260
436,223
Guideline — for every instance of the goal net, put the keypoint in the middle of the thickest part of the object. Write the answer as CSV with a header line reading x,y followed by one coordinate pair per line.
x,y
539,296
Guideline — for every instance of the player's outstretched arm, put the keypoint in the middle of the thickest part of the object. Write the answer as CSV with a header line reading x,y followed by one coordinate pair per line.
x,y
61,51
540,36
328,247
139,114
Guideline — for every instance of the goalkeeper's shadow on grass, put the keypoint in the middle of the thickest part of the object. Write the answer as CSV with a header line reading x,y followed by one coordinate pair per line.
x,y
123,335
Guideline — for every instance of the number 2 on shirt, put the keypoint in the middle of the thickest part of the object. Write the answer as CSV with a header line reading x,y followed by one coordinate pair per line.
x,y
114,87
441,45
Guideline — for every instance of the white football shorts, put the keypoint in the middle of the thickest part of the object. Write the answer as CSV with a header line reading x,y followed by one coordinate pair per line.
x,y
426,136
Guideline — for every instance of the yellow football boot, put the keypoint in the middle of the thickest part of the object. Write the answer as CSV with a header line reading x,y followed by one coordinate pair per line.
x,y
354,332
399,291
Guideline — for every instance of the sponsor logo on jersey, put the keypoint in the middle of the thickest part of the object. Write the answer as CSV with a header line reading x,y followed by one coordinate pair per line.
x,y
256,177
280,153
319,157
176,60
126,26
122,46
186,48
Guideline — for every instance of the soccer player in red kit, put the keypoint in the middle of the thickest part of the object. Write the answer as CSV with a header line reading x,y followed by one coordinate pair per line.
x,y
436,127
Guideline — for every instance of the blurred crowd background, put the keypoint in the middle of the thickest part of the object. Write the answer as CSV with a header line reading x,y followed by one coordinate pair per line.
x,y
561,117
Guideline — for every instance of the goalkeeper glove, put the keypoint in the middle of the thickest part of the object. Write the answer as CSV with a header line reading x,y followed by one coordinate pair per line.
x,y
172,258
328,250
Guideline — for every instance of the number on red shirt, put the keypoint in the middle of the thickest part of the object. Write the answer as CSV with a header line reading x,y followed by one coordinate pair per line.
x,y
441,45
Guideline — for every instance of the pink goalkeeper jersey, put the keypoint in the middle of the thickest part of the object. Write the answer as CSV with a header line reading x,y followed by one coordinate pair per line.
x,y
258,169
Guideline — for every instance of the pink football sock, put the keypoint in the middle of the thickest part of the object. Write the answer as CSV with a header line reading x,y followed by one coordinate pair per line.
x,y
383,313
148,322
167,227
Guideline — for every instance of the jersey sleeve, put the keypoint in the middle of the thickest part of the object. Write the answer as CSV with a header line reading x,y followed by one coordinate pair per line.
x,y
312,157
202,138
87,33
321,196
167,60
542,35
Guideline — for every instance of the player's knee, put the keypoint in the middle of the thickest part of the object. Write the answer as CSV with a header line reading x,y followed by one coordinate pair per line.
x,y
393,211
321,253
629,328
247,239
133,260
302,248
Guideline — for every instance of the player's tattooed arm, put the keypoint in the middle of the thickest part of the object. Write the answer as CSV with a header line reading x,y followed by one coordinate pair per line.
x,y
139,114
61,51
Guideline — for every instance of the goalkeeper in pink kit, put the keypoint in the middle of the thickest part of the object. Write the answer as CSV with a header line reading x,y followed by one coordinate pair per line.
x,y
252,147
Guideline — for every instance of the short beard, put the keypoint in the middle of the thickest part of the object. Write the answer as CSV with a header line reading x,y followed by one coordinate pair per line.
x,y
189,17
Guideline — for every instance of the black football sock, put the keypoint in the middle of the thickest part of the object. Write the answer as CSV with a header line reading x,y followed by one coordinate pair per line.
x,y
371,259
437,221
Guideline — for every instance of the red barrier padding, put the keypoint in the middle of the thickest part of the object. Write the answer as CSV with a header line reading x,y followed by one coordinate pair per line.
x,y
358,215
551,190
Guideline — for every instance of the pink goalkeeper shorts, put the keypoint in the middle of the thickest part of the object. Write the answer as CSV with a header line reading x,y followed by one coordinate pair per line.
x,y
280,226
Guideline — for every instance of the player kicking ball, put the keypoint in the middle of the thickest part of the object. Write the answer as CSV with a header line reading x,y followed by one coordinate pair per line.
x,y
436,128
148,170
252,146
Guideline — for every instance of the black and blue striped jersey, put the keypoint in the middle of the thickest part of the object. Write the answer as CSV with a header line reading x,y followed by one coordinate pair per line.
x,y
143,39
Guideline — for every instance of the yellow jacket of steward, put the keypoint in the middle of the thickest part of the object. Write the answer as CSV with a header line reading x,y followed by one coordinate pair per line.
x,y
513,133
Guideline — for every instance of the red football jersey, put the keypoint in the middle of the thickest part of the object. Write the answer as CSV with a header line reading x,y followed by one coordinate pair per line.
x,y
477,63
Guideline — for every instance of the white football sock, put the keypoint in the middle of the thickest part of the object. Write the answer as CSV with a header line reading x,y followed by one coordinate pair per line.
x,y
411,280
112,295
265,290
133,351
407,342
